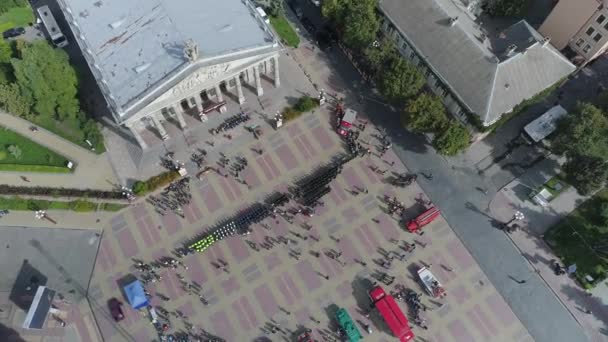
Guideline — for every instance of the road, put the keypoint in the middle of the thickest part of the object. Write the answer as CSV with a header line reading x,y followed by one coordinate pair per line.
x,y
453,190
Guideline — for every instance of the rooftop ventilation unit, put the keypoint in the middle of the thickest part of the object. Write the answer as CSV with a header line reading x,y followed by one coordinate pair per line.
x,y
141,68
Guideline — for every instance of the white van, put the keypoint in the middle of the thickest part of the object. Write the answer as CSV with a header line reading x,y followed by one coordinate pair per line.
x,y
262,14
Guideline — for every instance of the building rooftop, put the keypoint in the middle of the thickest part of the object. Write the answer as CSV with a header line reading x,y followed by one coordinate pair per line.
x,y
132,46
489,73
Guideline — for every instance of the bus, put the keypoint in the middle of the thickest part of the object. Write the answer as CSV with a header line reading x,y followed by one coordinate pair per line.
x,y
348,326
57,37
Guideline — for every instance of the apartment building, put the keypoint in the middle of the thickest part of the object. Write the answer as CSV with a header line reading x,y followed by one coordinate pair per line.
x,y
581,25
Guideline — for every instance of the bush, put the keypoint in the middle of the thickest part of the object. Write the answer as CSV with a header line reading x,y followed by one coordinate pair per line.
x,y
83,206
290,114
140,187
15,151
452,139
305,104
153,183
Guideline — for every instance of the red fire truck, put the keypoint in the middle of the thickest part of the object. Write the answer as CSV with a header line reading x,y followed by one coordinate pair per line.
x,y
392,314
346,119
423,219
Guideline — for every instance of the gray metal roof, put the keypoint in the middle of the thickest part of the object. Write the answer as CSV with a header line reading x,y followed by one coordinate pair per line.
x,y
135,44
471,62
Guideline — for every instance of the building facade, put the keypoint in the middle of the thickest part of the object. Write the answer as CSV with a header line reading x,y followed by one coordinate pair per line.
x,y
158,60
581,25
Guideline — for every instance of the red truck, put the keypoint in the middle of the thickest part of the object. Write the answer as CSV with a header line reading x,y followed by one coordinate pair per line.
x,y
392,314
423,219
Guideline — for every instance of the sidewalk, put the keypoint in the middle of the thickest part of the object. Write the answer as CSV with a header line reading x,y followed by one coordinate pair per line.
x,y
93,171
532,247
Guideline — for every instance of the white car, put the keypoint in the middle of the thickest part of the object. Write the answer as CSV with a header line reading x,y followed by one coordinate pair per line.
x,y
316,2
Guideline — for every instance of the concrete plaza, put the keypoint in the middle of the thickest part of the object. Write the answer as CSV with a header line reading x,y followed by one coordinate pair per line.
x,y
270,284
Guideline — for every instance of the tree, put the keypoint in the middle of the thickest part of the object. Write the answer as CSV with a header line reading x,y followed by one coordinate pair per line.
x,y
586,173
275,8
506,8
453,139
400,81
603,212
15,151
425,114
378,57
47,80
6,52
362,24
305,104
336,10
584,132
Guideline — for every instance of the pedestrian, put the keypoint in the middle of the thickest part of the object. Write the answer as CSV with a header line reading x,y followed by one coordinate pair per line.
x,y
392,163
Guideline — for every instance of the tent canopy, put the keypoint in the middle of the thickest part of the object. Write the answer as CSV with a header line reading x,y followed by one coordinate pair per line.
x,y
135,295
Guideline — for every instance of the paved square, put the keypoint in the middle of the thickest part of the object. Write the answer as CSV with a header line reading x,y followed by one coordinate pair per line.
x,y
273,284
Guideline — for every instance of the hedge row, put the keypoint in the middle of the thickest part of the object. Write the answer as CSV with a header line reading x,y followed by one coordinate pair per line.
x,y
59,192
153,183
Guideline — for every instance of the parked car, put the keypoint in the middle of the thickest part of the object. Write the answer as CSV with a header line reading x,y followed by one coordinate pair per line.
x,y
14,32
116,309
3,212
308,26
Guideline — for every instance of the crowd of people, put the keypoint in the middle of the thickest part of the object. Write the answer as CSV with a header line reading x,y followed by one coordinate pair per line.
x,y
172,198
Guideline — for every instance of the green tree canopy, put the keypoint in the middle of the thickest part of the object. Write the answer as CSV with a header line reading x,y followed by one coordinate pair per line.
x,y
506,8
584,132
361,24
47,80
453,139
379,57
336,10
6,52
12,101
586,173
400,80
425,113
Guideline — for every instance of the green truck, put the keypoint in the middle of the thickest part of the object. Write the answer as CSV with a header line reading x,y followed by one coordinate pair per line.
x,y
347,326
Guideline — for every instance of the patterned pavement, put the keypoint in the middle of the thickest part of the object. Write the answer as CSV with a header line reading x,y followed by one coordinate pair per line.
x,y
270,284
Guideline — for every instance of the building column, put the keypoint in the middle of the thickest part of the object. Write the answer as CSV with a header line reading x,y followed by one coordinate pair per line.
x,y
258,81
179,113
220,97
265,72
248,75
199,104
137,136
277,80
239,90
159,127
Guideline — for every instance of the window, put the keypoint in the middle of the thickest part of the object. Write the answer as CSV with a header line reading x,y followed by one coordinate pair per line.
x,y
590,31
580,42
606,26
412,55
404,45
601,19
587,48
597,37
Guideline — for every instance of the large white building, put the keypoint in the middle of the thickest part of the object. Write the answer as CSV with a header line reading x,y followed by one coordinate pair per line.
x,y
154,60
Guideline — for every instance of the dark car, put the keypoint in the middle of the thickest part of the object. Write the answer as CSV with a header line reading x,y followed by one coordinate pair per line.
x,y
14,32
308,25
116,309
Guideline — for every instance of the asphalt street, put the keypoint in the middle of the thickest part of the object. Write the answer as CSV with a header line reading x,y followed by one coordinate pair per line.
x,y
464,207
455,192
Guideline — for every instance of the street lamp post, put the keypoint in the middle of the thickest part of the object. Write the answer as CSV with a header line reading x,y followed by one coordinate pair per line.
x,y
41,214
518,216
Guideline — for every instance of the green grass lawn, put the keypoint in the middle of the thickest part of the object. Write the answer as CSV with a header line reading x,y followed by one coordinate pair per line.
x,y
34,157
18,16
68,129
26,204
573,238
285,31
